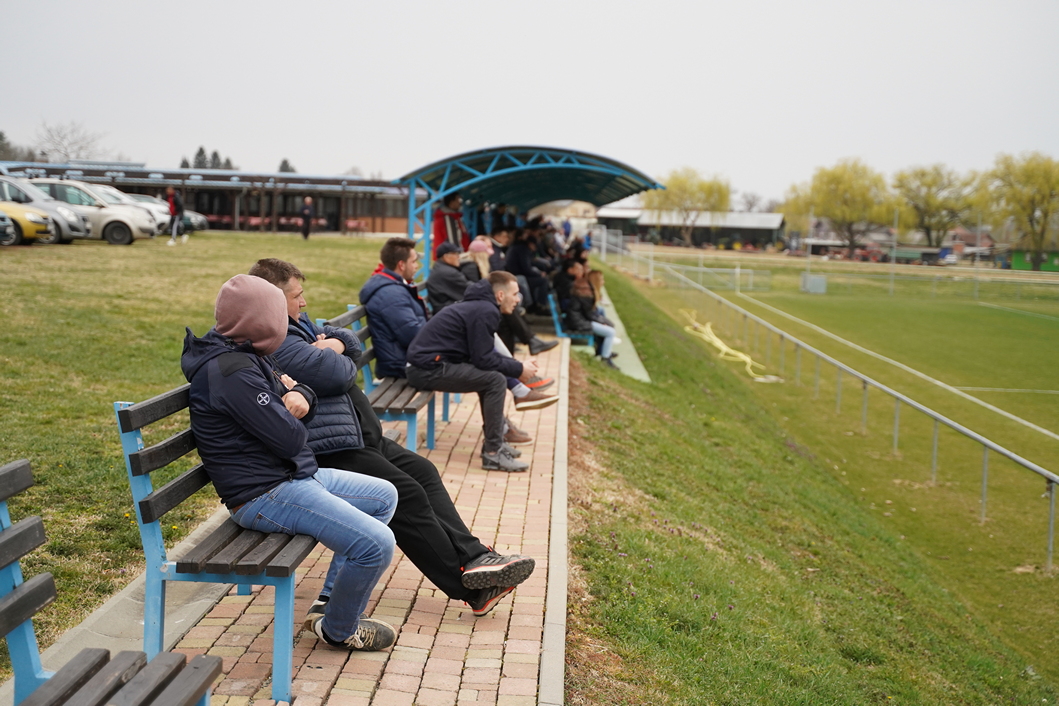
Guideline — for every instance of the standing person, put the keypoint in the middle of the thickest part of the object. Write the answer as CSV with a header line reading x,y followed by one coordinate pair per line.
x,y
395,311
448,225
176,214
249,422
346,434
456,352
308,213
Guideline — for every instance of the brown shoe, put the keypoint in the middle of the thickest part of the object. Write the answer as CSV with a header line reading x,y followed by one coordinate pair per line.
x,y
535,400
517,437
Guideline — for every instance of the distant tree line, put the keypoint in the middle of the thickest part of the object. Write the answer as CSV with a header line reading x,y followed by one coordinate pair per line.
x,y
213,161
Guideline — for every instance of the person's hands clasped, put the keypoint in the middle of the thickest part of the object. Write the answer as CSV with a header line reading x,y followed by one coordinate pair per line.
x,y
329,344
529,369
296,404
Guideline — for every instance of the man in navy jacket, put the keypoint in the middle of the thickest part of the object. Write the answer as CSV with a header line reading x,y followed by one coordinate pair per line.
x,y
346,434
249,425
395,311
455,352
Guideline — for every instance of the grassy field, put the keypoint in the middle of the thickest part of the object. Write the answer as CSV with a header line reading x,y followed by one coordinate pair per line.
x,y
723,558
88,324
995,568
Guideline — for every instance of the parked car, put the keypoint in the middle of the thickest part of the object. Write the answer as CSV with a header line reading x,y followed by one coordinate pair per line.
x,y
67,224
6,226
193,220
160,218
158,208
27,223
114,220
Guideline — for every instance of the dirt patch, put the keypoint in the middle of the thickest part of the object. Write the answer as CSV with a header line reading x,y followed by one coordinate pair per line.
x,y
595,672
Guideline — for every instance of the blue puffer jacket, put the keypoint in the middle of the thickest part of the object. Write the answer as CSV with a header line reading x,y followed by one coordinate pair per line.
x,y
248,442
395,314
335,426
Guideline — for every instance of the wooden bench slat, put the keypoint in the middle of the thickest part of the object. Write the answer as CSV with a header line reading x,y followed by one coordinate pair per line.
x,y
399,402
173,493
151,680
380,390
150,411
391,393
195,560
69,679
25,600
107,681
15,477
284,563
365,358
20,539
255,561
192,682
162,454
363,334
417,403
223,561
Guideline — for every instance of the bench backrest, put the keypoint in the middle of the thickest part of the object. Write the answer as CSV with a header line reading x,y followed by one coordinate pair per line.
x,y
21,600
140,462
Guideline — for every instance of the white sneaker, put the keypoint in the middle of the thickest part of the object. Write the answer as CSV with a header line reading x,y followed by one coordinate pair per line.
x,y
617,340
184,238
171,242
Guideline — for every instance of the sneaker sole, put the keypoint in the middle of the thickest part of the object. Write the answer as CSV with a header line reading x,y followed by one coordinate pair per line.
x,y
489,466
536,404
527,442
511,574
542,386
485,610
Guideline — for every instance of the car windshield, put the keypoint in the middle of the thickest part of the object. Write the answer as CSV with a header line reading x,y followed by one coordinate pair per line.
x,y
144,198
110,194
35,192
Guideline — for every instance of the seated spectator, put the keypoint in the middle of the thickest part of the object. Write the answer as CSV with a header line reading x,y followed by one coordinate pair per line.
x,y
456,352
345,434
395,311
446,283
249,422
584,315
500,240
448,226
479,254
520,262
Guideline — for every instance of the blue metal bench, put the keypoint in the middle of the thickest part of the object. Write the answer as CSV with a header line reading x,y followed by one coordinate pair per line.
x,y
230,554
91,677
557,320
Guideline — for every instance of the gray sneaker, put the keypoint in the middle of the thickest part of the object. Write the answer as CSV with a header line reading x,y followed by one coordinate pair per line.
x,y
371,635
502,461
511,450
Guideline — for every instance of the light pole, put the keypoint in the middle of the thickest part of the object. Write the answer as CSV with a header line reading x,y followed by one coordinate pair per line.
x,y
808,245
893,255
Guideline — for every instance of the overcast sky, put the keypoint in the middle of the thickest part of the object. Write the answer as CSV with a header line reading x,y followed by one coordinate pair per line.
x,y
761,93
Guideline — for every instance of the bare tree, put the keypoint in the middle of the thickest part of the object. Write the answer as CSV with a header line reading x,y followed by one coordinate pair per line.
x,y
751,201
65,141
353,171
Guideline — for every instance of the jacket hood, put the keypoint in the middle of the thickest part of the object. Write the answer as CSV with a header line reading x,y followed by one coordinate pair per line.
x,y
251,309
482,290
383,278
199,351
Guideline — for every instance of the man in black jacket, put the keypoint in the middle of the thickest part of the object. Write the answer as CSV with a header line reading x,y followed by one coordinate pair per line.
x,y
249,425
455,352
346,434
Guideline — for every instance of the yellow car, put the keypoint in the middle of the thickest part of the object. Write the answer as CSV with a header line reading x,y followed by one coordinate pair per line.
x,y
27,223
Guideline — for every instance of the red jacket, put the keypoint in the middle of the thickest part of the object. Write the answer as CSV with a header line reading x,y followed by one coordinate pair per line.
x,y
449,227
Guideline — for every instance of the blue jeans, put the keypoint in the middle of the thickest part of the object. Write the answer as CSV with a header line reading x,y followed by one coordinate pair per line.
x,y
607,333
347,513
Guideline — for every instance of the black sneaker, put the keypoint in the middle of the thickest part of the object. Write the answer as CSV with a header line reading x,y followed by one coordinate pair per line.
x,y
537,346
487,599
371,635
492,569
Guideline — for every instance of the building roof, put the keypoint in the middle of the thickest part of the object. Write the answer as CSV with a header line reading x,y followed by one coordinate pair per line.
x,y
706,219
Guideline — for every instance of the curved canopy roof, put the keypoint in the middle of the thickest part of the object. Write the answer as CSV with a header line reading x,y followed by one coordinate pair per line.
x,y
527,176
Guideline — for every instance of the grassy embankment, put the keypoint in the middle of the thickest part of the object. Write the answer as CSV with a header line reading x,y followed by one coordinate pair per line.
x,y
88,324
725,558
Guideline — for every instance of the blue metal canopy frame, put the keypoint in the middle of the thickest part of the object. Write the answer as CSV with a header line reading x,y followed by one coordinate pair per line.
x,y
522,176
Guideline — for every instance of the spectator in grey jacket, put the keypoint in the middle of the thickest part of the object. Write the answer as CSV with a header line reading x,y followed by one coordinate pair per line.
x,y
345,434
446,283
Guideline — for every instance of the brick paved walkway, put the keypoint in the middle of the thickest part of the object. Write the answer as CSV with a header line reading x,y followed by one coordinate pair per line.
x,y
444,656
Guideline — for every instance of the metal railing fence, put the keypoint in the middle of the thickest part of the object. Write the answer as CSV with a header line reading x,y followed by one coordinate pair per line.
x,y
734,317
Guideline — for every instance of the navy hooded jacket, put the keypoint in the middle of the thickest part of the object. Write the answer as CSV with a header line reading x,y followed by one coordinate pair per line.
x,y
395,314
335,427
248,442
463,333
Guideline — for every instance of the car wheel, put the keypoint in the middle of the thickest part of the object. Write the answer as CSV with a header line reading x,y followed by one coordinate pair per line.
x,y
12,238
118,234
52,238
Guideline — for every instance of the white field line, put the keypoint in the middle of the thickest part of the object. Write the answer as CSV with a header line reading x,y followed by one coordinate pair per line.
x,y
1006,389
902,366
1020,311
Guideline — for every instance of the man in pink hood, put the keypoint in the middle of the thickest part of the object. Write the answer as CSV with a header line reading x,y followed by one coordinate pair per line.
x,y
249,420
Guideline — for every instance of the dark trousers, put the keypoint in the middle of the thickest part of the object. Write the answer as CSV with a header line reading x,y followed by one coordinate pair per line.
x,y
464,377
513,328
426,525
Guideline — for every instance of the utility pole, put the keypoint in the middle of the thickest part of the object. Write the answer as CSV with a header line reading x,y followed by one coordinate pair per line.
x,y
808,246
893,255
977,253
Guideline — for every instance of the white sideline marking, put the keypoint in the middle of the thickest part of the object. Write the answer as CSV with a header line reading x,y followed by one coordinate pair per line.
x,y
1020,311
1006,389
902,366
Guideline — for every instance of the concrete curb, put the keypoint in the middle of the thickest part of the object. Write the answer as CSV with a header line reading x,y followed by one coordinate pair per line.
x,y
551,685
118,624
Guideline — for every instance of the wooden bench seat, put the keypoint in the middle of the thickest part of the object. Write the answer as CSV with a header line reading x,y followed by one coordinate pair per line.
x,y
91,678
229,554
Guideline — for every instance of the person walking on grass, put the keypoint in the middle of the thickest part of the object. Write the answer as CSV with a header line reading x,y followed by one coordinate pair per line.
x,y
176,215
308,213
346,434
249,421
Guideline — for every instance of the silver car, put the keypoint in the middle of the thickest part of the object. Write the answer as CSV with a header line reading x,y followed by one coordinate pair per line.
x,y
67,223
112,218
